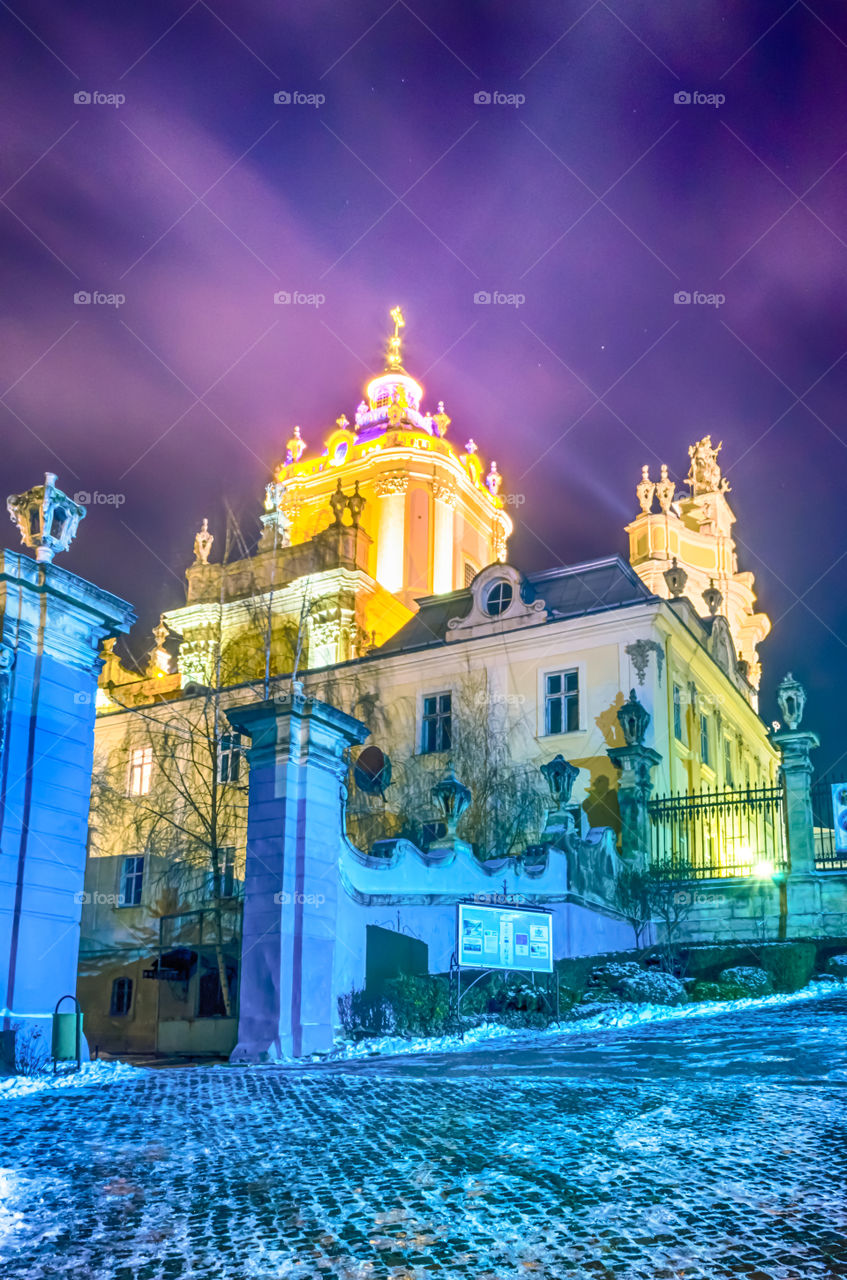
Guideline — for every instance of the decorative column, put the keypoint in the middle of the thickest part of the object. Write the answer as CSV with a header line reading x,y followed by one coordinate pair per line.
x,y
291,886
444,495
795,746
391,542
52,626
636,763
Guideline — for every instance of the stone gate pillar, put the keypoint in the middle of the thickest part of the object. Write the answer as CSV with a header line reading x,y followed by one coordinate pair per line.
x,y
291,886
796,746
636,763
52,625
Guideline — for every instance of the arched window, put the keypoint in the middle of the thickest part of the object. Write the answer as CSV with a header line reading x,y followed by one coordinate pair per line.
x,y
121,997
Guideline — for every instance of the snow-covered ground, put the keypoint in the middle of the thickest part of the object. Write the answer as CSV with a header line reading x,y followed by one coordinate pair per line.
x,y
613,1015
90,1073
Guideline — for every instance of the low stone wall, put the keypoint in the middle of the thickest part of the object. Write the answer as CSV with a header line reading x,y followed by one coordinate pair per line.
x,y
803,907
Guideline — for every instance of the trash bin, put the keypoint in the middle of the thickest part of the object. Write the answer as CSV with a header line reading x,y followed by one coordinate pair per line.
x,y
67,1034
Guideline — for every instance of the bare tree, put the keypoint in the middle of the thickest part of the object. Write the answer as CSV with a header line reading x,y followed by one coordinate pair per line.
x,y
632,899
193,813
508,799
670,892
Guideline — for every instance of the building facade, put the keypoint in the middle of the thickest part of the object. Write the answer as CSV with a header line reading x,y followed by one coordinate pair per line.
x,y
381,583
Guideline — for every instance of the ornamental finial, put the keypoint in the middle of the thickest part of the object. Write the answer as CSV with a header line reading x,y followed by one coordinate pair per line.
x,y
46,517
203,543
395,358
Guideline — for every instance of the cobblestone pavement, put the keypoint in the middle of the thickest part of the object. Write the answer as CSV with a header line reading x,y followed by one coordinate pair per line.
x,y
705,1148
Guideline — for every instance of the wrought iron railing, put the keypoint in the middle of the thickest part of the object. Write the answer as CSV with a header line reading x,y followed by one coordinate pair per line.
x,y
828,857
720,833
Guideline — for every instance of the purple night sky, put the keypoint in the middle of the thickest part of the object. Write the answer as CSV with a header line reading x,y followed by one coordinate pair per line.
x,y
597,199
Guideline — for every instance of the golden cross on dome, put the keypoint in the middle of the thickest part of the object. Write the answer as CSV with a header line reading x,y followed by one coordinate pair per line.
x,y
395,360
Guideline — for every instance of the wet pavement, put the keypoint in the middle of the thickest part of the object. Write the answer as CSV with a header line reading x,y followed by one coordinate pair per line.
x,y
711,1147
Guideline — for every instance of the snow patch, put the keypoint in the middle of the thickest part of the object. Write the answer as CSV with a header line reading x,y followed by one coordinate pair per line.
x,y
90,1073
612,1015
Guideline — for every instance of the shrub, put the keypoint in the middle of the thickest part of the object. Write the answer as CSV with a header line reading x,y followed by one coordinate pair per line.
x,y
744,981
707,991
653,987
420,1004
31,1052
363,1015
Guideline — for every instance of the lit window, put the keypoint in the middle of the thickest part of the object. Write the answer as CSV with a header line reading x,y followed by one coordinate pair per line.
x,y
132,879
561,702
677,712
498,599
229,757
121,997
437,723
728,771
470,573
140,770
704,740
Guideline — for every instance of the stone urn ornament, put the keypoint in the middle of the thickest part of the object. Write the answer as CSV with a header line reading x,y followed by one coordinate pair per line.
x,y
355,503
676,578
338,502
46,518
633,719
791,697
560,775
452,798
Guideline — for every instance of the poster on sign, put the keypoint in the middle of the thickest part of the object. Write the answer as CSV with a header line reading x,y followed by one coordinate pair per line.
x,y
489,936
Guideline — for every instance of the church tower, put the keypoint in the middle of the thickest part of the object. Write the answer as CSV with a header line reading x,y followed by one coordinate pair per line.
x,y
432,513
687,549
384,511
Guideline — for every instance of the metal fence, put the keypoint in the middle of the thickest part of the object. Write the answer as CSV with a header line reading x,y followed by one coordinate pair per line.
x,y
828,857
721,833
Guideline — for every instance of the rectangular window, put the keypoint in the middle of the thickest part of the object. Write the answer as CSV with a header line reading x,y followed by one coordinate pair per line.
x,y
437,723
132,879
677,713
470,573
121,997
705,755
229,757
728,771
140,770
226,871
227,864
561,702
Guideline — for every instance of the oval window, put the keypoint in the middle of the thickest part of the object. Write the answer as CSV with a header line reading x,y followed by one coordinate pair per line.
x,y
499,598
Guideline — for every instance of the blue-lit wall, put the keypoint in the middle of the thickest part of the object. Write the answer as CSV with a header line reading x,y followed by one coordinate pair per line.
x,y
52,625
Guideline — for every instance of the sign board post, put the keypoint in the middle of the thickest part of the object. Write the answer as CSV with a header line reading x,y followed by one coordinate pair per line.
x,y
508,937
